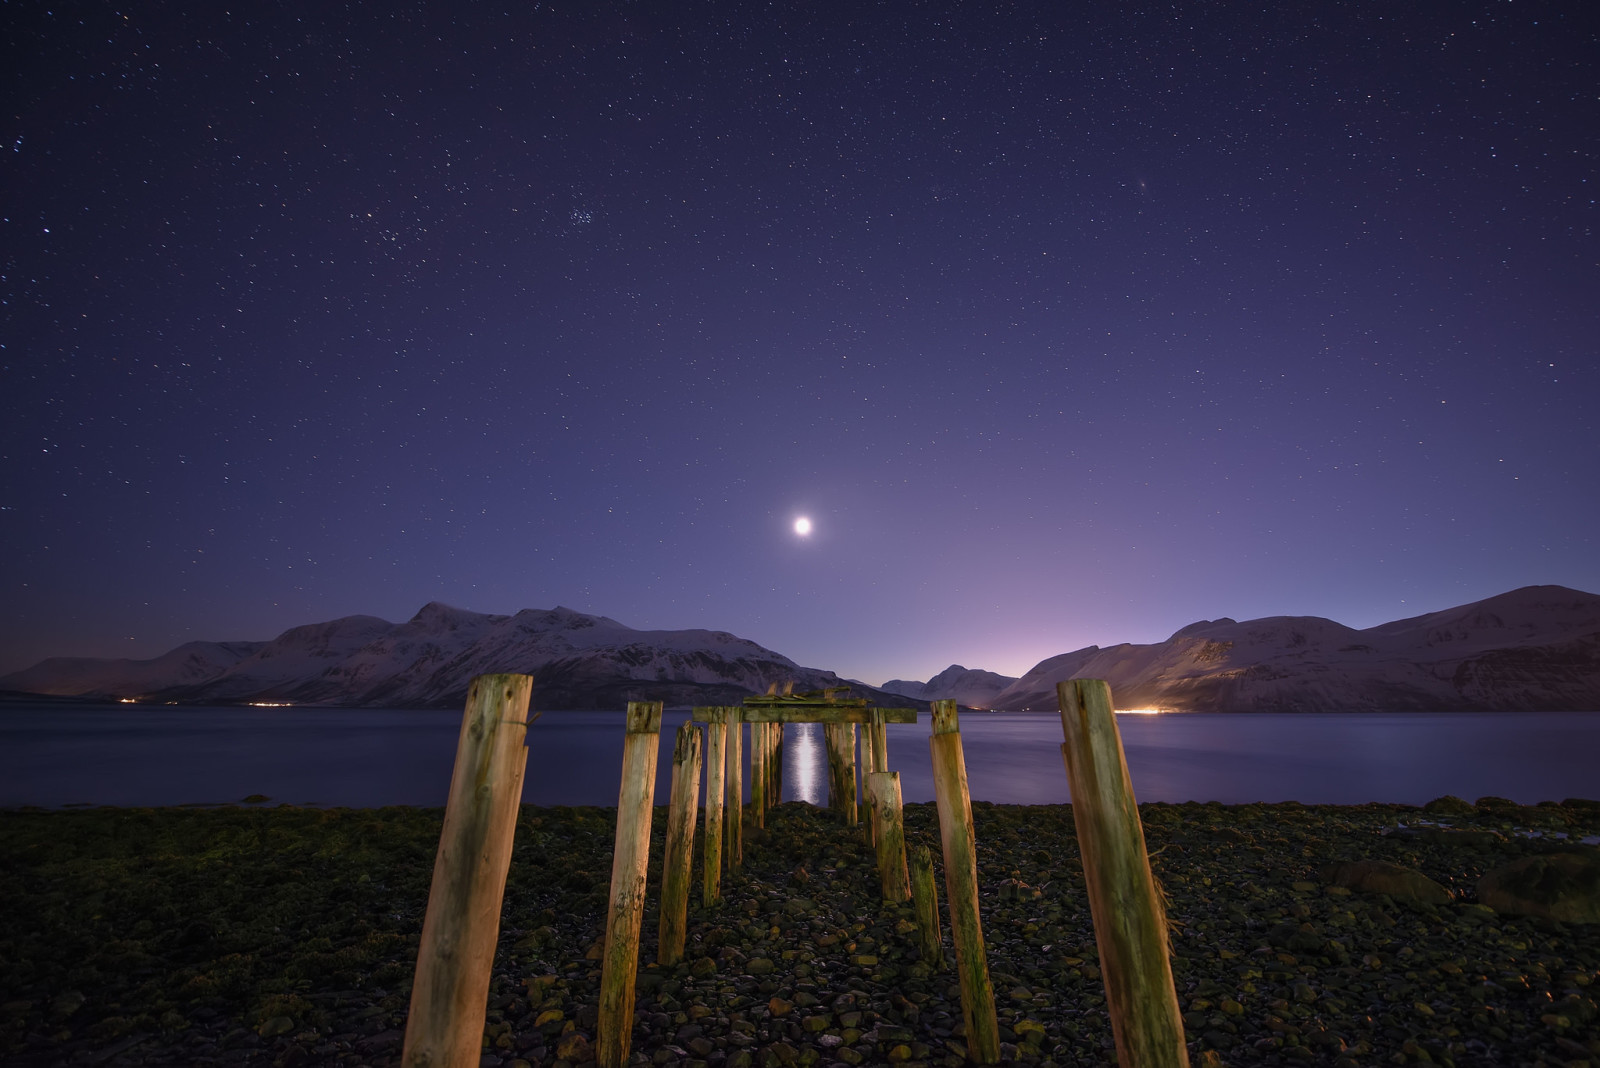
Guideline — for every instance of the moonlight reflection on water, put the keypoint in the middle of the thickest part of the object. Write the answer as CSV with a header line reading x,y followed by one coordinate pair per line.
x,y
53,755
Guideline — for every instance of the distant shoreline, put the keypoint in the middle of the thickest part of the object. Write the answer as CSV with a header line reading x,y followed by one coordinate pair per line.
x,y
14,697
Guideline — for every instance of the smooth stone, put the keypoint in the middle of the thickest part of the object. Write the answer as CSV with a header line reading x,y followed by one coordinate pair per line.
x,y
1382,877
1556,886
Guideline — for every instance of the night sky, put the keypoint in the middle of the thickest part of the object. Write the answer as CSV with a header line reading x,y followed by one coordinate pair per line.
x,y
1064,325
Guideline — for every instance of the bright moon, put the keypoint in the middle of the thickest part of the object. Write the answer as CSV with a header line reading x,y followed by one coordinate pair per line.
x,y
802,526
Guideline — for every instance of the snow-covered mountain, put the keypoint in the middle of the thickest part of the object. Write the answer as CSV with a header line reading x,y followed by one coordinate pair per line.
x,y
968,686
1533,649
577,661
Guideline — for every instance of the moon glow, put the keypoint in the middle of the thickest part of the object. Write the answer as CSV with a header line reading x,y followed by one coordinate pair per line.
x,y
802,526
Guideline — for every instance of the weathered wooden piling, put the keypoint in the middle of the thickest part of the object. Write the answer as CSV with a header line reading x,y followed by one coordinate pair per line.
x,y
841,739
776,777
733,818
841,770
765,750
679,853
868,798
925,897
879,734
455,957
1130,928
961,884
770,758
874,754
716,770
629,868
890,834
836,790
759,733
851,776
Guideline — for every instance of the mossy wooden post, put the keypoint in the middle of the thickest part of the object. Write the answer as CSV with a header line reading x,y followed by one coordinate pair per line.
x,y
716,770
830,746
766,771
733,818
767,763
888,810
879,733
681,814
841,739
925,897
758,773
852,775
869,768
1130,926
455,957
847,772
776,777
961,884
629,868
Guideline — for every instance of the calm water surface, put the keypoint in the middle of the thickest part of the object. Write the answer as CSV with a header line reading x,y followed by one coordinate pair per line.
x,y
53,755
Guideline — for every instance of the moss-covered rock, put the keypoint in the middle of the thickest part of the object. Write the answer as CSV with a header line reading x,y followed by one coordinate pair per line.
x,y
1561,886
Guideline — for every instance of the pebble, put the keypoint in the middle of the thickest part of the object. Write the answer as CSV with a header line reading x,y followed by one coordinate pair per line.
x,y
239,964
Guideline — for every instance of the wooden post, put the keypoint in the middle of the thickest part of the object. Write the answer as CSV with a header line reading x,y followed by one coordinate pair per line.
x,y
450,991
758,772
851,812
716,769
733,819
868,797
679,853
769,745
841,739
926,898
887,809
961,884
880,741
630,862
1130,925
776,778
830,748
842,768
768,749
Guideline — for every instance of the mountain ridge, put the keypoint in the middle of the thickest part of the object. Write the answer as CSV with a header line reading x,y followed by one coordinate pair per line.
x,y
972,687
578,661
1536,648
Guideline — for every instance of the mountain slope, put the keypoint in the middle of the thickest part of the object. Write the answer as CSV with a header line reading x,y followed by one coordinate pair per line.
x,y
972,687
1535,648
1532,649
577,660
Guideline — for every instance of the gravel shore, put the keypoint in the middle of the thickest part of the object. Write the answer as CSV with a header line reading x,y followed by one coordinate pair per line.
x,y
285,936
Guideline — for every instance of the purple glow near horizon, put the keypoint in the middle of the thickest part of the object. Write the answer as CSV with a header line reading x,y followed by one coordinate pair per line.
x,y
1061,327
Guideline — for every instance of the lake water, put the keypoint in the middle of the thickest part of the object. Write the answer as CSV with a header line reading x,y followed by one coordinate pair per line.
x,y
54,755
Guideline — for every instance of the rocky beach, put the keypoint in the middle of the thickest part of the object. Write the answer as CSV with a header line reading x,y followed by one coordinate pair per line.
x,y
278,936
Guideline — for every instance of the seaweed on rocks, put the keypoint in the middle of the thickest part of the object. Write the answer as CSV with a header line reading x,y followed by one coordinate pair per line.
x,y
286,937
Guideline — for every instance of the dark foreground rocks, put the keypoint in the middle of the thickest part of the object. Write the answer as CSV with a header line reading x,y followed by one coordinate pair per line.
x,y
1557,886
285,937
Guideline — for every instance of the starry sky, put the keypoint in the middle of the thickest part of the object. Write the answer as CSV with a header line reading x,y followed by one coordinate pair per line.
x,y
1064,324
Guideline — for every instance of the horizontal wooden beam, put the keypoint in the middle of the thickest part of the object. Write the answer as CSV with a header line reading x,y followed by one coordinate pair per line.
x,y
824,713
717,714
